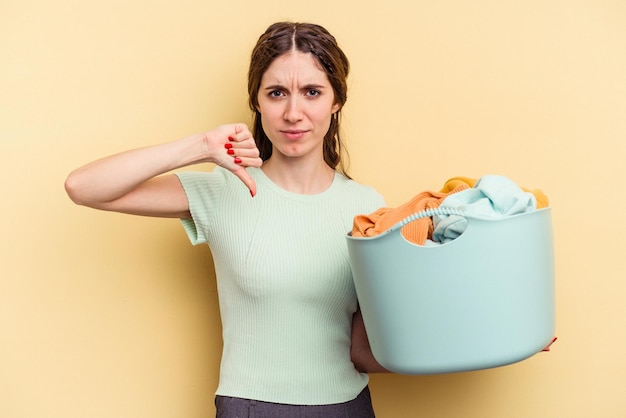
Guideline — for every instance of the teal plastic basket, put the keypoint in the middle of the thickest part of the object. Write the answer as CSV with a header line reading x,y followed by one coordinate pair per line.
x,y
483,300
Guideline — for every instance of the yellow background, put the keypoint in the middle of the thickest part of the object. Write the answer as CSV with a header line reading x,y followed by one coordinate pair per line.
x,y
111,316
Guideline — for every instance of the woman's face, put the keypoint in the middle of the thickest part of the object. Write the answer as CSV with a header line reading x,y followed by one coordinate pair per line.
x,y
296,102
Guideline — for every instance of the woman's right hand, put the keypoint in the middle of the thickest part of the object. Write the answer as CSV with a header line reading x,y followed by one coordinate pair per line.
x,y
233,147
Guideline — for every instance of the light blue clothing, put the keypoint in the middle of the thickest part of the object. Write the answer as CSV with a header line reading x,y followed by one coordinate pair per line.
x,y
285,286
492,197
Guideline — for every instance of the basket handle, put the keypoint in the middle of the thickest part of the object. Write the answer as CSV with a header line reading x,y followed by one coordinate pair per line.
x,y
427,213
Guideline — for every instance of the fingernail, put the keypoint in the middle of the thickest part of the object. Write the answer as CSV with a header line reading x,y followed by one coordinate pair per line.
x,y
230,151
251,193
228,146
237,160
230,138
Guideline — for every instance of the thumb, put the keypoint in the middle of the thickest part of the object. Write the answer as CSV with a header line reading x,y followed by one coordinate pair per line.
x,y
247,179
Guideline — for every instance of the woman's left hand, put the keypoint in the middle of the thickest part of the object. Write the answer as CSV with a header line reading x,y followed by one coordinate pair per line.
x,y
361,352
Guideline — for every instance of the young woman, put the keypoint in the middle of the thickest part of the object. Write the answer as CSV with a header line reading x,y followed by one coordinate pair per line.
x,y
275,212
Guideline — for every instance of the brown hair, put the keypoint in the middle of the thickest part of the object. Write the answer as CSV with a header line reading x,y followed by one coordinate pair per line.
x,y
281,38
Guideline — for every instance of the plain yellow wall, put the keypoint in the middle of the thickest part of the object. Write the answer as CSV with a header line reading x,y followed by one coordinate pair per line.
x,y
104,315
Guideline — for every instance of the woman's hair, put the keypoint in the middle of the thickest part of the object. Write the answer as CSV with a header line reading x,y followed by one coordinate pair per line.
x,y
281,38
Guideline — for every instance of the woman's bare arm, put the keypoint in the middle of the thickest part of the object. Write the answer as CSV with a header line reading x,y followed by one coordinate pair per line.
x,y
361,352
133,181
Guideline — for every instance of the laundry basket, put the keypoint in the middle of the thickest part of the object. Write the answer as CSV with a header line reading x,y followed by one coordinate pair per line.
x,y
483,300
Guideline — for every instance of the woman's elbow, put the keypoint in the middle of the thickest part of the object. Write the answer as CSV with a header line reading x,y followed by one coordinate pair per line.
x,y
76,190
71,189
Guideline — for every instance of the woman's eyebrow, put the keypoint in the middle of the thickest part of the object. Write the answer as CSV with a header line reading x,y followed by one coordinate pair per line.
x,y
275,87
305,87
314,86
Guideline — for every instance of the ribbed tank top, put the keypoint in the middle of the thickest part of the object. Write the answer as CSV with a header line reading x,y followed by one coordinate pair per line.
x,y
284,282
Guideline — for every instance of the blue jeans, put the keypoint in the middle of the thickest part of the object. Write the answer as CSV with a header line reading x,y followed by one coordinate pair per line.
x,y
229,407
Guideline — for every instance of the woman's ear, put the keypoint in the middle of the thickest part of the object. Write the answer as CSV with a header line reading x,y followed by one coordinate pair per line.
x,y
336,107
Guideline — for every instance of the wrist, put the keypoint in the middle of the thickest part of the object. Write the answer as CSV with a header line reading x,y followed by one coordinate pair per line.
x,y
194,149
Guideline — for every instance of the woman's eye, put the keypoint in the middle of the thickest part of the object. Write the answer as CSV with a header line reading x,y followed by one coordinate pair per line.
x,y
276,93
313,93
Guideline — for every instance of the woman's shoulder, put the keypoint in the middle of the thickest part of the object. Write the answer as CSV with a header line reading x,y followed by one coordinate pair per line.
x,y
359,191
216,175
352,184
205,184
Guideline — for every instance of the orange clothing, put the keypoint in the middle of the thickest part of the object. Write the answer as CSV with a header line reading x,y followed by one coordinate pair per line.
x,y
422,229
418,231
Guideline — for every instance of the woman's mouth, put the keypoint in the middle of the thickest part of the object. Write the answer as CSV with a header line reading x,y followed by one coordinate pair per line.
x,y
293,134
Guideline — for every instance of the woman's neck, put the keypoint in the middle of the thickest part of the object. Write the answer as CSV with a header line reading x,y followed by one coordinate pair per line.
x,y
298,176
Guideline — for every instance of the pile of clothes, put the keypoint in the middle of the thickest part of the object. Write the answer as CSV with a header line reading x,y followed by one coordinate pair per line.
x,y
490,197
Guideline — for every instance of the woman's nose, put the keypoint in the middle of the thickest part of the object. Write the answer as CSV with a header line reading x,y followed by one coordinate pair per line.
x,y
293,111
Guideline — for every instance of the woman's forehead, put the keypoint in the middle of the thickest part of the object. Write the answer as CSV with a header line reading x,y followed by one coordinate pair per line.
x,y
298,66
